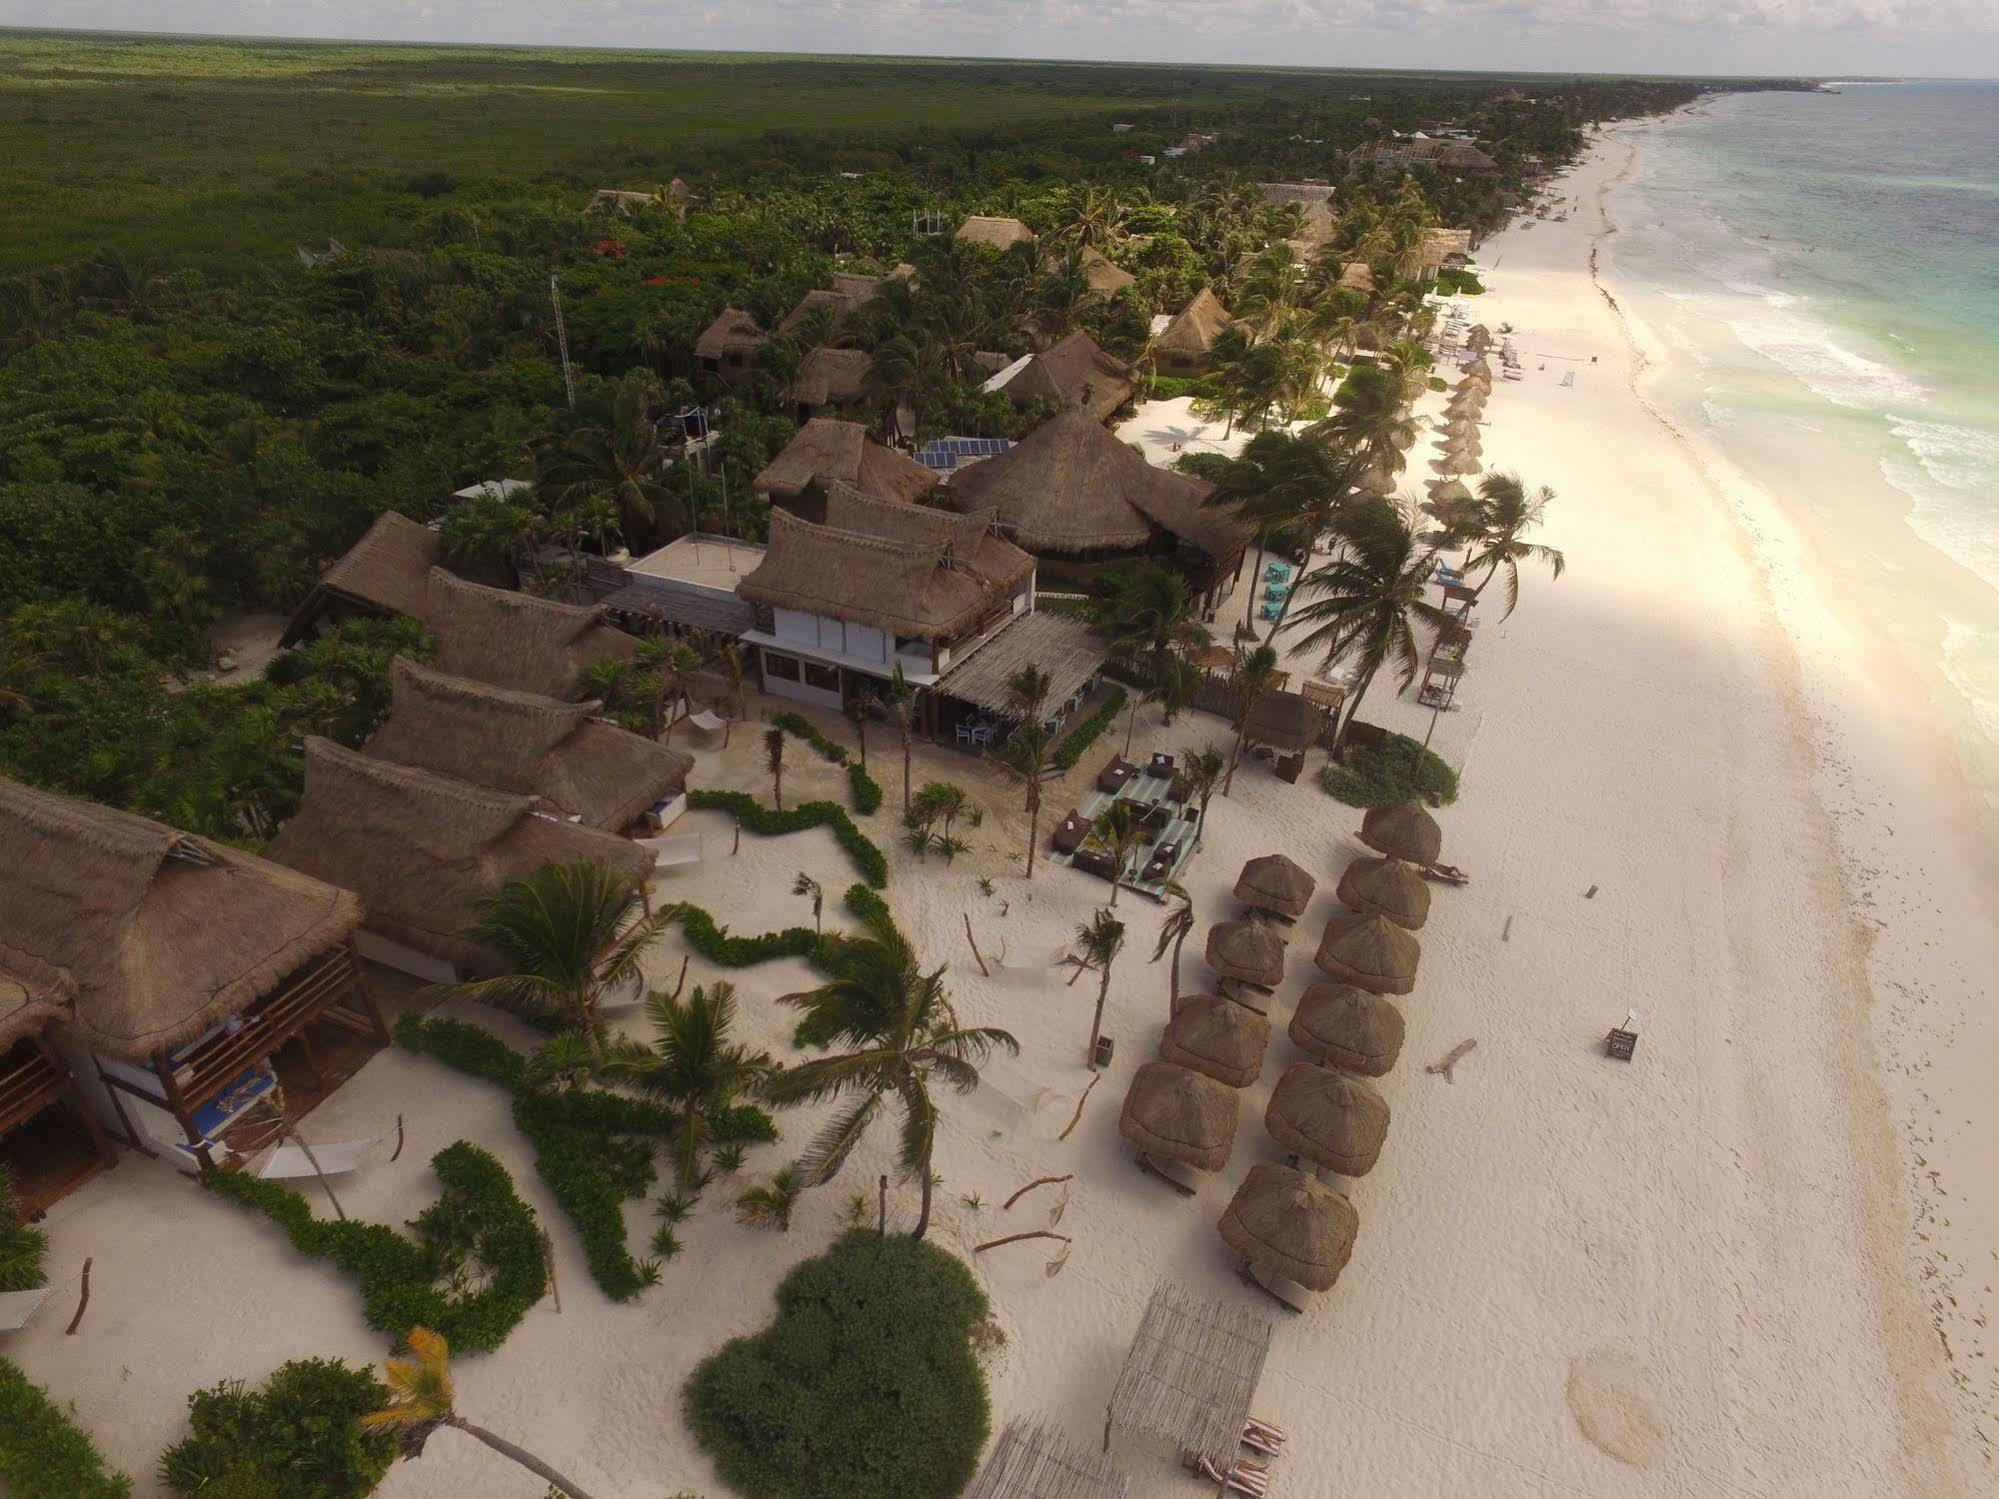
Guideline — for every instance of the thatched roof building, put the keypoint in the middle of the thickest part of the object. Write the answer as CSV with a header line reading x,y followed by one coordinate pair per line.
x,y
1277,884
1183,343
1348,1027
517,640
422,848
1031,1461
1218,1037
1329,1118
1246,951
1107,278
1315,204
1000,233
834,377
733,334
1355,275
1075,375
1070,488
1180,1115
527,743
811,302
1387,887
1191,1374
384,573
1285,721
1403,830
823,451
1370,951
1286,1223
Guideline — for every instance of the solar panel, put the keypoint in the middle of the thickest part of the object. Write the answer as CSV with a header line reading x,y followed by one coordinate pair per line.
x,y
946,453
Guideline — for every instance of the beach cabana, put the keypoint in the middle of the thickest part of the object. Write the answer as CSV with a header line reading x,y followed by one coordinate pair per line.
x,y
1348,1028
727,345
1458,427
1402,830
384,574
834,377
1290,723
1182,345
1370,951
1248,952
1191,1373
189,964
1174,1114
1218,1037
824,452
1289,1226
1074,375
998,233
1033,1460
422,849
1328,1117
1387,887
518,640
1276,884
1479,339
538,746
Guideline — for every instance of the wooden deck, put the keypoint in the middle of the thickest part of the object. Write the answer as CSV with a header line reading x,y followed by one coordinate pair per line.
x,y
1143,787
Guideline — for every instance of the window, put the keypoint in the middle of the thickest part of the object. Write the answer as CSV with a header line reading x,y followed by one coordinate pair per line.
x,y
783,668
825,678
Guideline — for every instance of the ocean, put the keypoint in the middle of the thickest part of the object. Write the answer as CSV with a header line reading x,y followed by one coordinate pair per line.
x,y
1825,270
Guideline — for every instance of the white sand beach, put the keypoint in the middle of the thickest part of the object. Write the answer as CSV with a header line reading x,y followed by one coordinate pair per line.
x,y
1690,1275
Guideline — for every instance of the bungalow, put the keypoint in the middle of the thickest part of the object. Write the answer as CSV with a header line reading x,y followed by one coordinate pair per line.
x,y
726,345
1181,347
579,765
1106,277
824,452
518,640
1073,374
188,966
383,574
830,377
421,848
879,585
837,305
1456,156
1356,275
999,233
48,1151
1314,201
1080,500
1442,247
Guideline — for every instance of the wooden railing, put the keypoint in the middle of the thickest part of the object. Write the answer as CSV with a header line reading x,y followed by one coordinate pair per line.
x,y
29,1083
268,1025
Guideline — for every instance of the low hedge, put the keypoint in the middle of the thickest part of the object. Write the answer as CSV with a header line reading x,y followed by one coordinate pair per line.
x,y
865,791
758,818
712,940
297,1436
1398,769
404,1280
800,727
1076,743
44,1454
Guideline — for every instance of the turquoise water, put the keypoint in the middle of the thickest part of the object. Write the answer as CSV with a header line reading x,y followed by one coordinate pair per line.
x,y
1826,269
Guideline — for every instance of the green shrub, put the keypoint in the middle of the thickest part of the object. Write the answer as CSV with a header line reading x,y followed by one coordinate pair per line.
x,y
297,1437
1079,739
1396,770
864,1384
758,818
1065,604
1452,282
1438,382
470,1270
798,727
864,790
21,1248
743,1124
715,944
45,1455
1172,387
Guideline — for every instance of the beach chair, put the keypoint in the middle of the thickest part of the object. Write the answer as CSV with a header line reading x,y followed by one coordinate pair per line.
x,y
1262,1436
16,1307
1241,1478
1448,874
673,849
1180,1178
336,1158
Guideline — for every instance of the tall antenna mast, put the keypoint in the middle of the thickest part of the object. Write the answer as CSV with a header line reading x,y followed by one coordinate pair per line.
x,y
562,340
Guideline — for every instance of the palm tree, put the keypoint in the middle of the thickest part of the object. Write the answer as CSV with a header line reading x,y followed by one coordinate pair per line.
x,y
774,760
1368,601
859,710
621,458
1369,416
1254,672
772,1205
904,1035
899,698
572,933
1505,511
807,886
1119,832
1203,769
1173,934
1025,758
732,662
420,1401
1146,608
1097,946
690,1066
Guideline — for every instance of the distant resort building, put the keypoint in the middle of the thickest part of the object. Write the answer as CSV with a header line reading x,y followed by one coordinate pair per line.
x,y
1106,277
1444,247
727,345
1075,374
824,452
1181,347
623,202
999,233
1314,201
830,378
384,574
1456,156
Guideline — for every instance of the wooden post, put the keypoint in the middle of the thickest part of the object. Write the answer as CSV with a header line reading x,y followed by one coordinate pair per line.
x,y
882,1221
367,993
132,1136
177,1105
73,1096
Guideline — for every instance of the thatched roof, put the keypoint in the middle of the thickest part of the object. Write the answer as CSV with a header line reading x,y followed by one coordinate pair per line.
x,y
1387,887
156,934
1033,1461
1403,830
1314,199
1331,1118
33,996
1075,374
518,640
824,450
1378,478
527,743
925,574
1479,339
1191,1373
423,848
855,288
1178,1113
733,332
384,571
835,377
1071,487
1275,883
1450,492
1356,276
1062,647
807,304
1370,951
1106,277
1248,951
1285,721
1289,1224
1193,327
1348,1027
998,232
1216,1036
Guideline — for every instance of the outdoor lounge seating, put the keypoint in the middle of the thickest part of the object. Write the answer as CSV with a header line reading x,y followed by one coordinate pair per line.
x,y
1262,1436
1162,765
1113,776
1070,832
1181,791
1239,1478
1160,865
1096,861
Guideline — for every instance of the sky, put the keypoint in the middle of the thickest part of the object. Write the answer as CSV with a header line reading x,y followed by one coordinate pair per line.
x,y
1820,38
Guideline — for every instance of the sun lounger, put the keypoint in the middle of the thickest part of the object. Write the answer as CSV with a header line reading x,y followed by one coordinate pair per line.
x,y
1070,832
1113,776
1241,1478
336,1158
1287,1292
16,1307
1162,861
1262,1436
1180,1178
673,849
1095,861
1449,874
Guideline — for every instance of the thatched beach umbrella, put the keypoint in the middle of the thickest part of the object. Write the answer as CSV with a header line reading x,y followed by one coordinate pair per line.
x,y
1247,951
1462,426
1277,884
1286,1223
1378,478
1450,492
1387,887
1479,339
1405,439
1402,830
1218,1037
1179,1115
1370,951
1348,1027
1456,464
1330,1118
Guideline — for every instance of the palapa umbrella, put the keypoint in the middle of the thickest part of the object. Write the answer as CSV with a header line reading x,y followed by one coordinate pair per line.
x,y
1180,1115
1218,1037
1370,951
1330,1118
1348,1027
1462,447
1387,887
1286,1223
1479,380
1247,951
1456,463
1449,492
1479,339
1276,884
1402,830
1379,478
1462,426
1405,439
